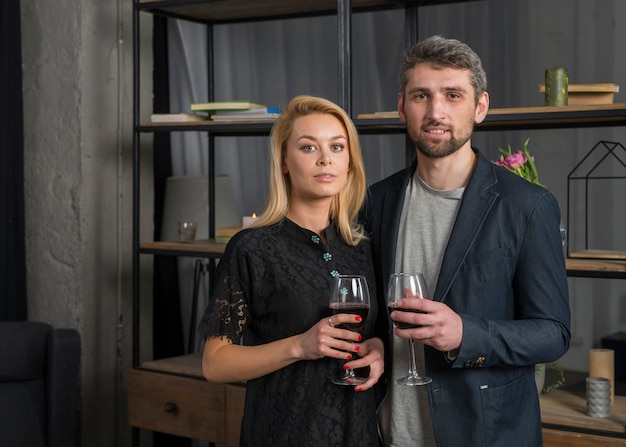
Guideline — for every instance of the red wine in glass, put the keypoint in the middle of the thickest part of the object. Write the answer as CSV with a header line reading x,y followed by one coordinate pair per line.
x,y
412,286
350,295
402,324
360,309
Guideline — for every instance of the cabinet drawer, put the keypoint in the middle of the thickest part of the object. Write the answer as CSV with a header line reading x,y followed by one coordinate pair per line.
x,y
185,406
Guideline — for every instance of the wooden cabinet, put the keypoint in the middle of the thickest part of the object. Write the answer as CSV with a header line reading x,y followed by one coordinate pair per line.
x,y
171,396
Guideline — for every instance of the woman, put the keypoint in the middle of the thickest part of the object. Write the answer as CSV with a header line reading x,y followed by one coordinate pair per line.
x,y
268,321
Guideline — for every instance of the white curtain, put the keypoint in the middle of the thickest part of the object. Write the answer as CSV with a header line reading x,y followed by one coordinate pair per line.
x,y
272,61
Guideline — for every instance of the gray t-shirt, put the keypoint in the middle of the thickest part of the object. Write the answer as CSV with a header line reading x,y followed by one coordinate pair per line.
x,y
427,219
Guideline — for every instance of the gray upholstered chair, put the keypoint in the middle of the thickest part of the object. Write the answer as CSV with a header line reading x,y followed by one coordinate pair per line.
x,y
39,380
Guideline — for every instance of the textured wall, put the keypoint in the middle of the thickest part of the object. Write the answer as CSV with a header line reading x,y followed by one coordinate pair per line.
x,y
77,71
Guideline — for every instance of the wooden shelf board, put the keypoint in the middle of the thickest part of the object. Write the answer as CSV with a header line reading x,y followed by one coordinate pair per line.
x,y
600,254
187,365
595,265
388,122
516,118
201,248
587,261
566,409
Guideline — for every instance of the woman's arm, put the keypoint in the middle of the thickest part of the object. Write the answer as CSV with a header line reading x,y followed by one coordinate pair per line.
x,y
225,362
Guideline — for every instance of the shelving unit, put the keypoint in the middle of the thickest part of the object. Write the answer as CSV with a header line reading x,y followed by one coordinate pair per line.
x,y
159,397
155,386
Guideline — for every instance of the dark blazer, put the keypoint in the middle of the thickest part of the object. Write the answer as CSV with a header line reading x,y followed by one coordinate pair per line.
x,y
504,273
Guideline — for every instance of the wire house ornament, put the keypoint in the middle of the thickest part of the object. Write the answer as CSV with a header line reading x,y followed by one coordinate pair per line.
x,y
606,161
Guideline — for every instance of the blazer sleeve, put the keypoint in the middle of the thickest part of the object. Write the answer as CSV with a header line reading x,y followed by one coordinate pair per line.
x,y
526,316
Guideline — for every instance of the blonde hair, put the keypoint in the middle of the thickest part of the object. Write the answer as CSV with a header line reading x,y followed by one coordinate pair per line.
x,y
345,205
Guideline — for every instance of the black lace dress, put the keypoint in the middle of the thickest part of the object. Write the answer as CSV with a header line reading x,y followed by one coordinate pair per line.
x,y
273,283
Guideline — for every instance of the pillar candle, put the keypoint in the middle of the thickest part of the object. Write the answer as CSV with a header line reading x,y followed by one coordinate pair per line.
x,y
602,364
248,220
557,84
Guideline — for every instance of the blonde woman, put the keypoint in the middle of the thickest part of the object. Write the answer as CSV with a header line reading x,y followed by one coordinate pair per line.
x,y
268,322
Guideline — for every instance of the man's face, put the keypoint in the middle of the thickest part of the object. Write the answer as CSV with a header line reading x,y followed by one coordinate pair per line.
x,y
440,110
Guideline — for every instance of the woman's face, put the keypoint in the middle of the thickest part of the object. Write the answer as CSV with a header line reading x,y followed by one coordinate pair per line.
x,y
317,158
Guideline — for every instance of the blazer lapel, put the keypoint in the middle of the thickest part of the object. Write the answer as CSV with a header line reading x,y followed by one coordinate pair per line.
x,y
392,212
478,199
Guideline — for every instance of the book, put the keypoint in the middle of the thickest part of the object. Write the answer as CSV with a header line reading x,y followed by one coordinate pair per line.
x,y
588,94
225,105
252,111
250,115
224,234
176,117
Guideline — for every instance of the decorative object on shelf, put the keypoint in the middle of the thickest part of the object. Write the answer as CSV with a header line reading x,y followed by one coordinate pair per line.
x,y
248,220
556,87
598,397
588,94
187,231
520,163
540,377
602,364
588,185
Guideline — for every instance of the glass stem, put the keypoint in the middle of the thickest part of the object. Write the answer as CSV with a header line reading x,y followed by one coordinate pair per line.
x,y
349,373
412,363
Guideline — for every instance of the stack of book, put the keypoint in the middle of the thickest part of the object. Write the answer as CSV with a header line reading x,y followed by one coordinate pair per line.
x,y
236,110
223,234
176,117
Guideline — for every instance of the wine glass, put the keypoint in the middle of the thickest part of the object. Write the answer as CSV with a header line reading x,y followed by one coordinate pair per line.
x,y
350,294
407,285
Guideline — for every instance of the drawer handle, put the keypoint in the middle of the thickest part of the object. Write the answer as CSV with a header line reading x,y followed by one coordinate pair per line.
x,y
170,407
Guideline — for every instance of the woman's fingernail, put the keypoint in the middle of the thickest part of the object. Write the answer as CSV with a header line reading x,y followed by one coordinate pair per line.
x,y
356,348
346,367
360,337
358,388
358,318
349,357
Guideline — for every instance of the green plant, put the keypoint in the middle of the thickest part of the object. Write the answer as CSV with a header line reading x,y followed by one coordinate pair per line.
x,y
520,162
558,369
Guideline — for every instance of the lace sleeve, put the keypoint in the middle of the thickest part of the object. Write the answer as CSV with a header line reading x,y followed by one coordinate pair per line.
x,y
225,317
228,313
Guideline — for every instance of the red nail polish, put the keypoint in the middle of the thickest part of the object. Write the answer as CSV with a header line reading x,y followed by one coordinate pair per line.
x,y
356,348
349,357
358,388
346,367
360,338
358,318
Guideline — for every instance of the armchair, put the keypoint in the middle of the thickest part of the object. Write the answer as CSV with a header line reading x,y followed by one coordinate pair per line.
x,y
39,377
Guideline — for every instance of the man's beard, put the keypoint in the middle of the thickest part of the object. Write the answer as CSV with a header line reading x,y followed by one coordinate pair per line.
x,y
440,149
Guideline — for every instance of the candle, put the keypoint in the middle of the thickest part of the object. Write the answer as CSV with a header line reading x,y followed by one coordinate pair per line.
x,y
602,364
557,87
248,220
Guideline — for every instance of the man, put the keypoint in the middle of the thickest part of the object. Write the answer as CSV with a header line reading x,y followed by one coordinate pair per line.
x,y
488,244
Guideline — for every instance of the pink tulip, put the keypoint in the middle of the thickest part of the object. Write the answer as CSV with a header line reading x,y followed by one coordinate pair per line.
x,y
515,160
